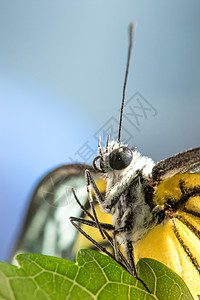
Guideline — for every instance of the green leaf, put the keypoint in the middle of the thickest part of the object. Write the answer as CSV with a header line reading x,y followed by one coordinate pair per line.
x,y
94,276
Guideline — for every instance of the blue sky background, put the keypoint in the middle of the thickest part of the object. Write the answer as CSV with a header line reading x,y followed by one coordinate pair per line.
x,y
62,67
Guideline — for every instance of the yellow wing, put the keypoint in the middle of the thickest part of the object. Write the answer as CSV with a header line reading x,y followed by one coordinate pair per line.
x,y
176,241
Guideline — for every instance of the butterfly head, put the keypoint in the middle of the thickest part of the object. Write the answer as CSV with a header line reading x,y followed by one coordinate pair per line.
x,y
113,157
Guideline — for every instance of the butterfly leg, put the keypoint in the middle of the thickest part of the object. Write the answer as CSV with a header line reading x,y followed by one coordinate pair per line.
x,y
129,254
128,249
105,226
91,185
115,244
92,223
90,182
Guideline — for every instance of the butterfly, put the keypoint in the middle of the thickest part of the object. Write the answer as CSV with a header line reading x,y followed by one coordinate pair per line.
x,y
151,210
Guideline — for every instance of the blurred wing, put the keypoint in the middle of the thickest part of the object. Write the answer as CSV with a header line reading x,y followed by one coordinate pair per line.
x,y
47,229
187,161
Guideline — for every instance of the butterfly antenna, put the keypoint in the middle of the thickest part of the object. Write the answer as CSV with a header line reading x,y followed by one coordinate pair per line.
x,y
126,76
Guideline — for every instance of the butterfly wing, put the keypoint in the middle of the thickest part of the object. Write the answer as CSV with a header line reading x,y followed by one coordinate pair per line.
x,y
176,240
183,162
47,229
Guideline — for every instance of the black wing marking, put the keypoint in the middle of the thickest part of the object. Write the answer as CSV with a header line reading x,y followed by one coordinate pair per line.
x,y
183,162
46,229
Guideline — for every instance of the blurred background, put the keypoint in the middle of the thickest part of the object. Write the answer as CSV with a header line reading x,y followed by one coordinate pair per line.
x,y
62,66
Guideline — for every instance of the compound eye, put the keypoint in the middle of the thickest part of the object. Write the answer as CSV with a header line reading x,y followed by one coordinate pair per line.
x,y
120,158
